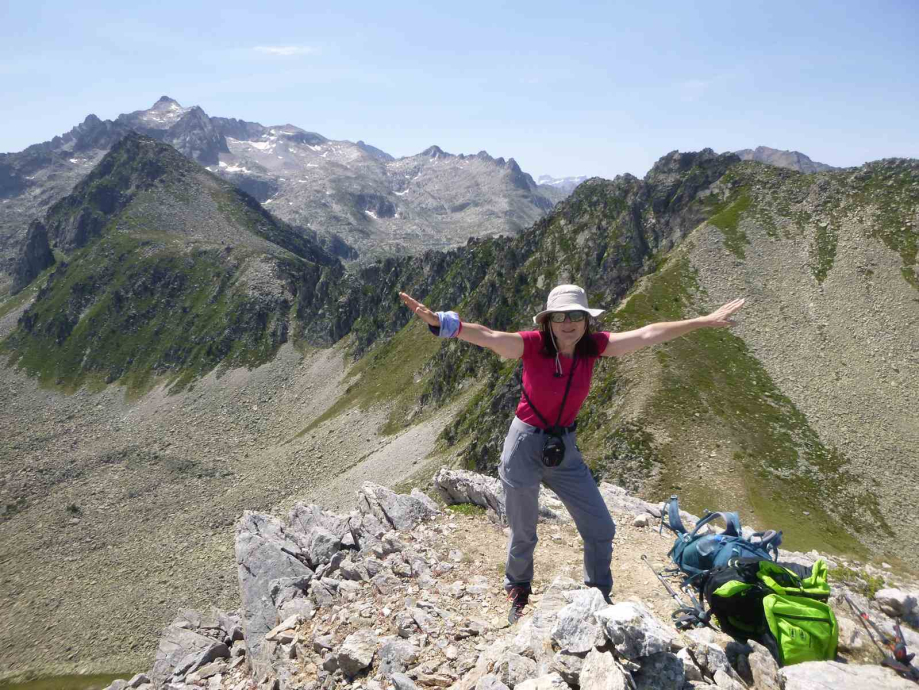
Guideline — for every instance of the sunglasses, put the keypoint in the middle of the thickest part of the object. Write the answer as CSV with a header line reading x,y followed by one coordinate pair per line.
x,y
562,316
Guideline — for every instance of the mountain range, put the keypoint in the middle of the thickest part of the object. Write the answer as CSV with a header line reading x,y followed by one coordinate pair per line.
x,y
352,198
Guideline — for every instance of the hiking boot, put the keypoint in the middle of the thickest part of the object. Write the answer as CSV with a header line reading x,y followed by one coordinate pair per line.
x,y
518,595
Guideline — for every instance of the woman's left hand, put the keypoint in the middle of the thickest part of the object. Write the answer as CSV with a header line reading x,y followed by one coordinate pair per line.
x,y
721,317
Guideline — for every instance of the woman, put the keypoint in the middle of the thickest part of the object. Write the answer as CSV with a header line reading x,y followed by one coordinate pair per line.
x,y
541,446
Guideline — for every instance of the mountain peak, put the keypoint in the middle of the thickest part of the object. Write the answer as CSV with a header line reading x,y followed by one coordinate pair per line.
x,y
792,160
433,151
166,103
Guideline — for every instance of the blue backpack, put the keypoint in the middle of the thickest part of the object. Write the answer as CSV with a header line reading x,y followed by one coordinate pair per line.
x,y
695,554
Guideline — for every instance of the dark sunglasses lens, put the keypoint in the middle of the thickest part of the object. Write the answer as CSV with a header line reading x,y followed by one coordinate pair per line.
x,y
559,316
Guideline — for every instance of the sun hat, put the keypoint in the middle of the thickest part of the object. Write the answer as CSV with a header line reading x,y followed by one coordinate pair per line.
x,y
566,298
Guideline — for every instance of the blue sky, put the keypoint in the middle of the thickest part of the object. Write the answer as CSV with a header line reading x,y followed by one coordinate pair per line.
x,y
565,88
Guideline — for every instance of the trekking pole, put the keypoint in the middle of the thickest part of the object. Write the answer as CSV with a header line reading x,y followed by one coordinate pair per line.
x,y
685,616
900,659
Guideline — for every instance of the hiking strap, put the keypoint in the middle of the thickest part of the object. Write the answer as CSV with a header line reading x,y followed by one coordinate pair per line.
x,y
564,398
731,524
674,521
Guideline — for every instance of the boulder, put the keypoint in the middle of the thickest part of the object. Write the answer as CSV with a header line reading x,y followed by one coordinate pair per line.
x,y
576,630
490,682
895,602
851,634
356,652
462,486
568,666
601,672
660,671
401,512
831,675
396,655
550,681
512,669
400,681
318,533
264,554
175,645
764,668
534,638
634,631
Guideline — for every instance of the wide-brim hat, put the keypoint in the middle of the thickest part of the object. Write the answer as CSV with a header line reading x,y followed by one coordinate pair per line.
x,y
566,298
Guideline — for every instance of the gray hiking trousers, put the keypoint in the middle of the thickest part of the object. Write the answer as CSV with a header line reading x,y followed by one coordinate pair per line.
x,y
521,472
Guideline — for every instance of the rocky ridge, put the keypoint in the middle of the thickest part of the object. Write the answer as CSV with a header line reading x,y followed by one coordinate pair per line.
x,y
381,598
792,160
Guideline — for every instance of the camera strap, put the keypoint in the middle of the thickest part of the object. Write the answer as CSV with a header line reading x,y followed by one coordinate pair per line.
x,y
564,398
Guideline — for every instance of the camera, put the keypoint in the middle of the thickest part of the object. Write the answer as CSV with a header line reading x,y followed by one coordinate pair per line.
x,y
554,451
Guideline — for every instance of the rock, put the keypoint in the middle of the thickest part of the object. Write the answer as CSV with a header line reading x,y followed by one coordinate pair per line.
x,y
763,668
321,594
490,682
728,680
230,624
660,671
851,634
512,669
138,680
601,672
550,681
286,626
711,659
356,652
641,520
577,630
396,655
692,671
385,582
264,554
177,644
399,511
401,681
353,571
423,498
634,631
534,638
192,662
568,666
619,501
831,675
895,602
462,486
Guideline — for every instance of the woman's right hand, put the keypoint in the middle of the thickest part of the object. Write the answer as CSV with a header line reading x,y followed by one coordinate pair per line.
x,y
421,311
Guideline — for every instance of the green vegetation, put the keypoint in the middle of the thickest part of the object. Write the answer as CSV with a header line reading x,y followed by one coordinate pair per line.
x,y
891,190
387,376
133,309
823,251
858,580
727,219
769,458
468,509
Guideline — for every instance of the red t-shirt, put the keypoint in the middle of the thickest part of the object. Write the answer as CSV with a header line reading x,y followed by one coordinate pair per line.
x,y
545,390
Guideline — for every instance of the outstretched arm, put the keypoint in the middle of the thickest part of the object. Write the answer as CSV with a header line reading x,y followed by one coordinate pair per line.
x,y
630,341
507,345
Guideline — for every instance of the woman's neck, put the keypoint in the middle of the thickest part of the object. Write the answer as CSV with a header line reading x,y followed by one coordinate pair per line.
x,y
567,352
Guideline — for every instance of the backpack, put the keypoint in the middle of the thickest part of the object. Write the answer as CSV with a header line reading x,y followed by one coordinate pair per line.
x,y
783,608
695,554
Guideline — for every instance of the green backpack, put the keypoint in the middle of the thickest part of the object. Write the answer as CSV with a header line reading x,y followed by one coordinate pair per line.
x,y
783,607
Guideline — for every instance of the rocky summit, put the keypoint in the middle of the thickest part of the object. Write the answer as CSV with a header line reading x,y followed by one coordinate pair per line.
x,y
383,597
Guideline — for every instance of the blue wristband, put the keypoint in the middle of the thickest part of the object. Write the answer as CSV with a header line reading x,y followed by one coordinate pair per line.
x,y
449,325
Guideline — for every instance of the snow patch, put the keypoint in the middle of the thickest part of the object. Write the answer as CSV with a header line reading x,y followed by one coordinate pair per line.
x,y
261,145
401,193
312,165
372,215
222,164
